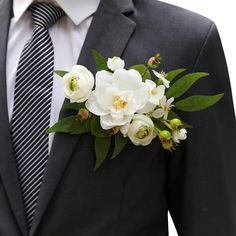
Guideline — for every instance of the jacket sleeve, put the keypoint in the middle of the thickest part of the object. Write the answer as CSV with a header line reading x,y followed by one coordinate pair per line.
x,y
201,184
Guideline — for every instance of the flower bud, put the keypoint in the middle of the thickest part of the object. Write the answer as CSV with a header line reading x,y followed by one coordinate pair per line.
x,y
176,123
168,145
114,130
84,113
155,61
115,63
165,135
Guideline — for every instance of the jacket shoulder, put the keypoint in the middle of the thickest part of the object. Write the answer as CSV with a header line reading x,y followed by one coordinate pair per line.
x,y
160,14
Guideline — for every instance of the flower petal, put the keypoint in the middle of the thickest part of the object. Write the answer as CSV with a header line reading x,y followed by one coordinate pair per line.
x,y
108,122
93,106
158,113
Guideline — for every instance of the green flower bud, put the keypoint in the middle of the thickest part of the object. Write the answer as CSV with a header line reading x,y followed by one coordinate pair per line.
x,y
176,123
165,135
155,61
84,113
114,130
168,145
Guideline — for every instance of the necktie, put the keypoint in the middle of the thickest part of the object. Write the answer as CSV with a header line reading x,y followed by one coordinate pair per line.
x,y
32,103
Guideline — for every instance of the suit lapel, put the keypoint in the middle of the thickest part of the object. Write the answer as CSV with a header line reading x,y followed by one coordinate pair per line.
x,y
8,170
109,33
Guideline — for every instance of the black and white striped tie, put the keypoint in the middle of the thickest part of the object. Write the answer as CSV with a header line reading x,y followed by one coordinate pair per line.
x,y
32,105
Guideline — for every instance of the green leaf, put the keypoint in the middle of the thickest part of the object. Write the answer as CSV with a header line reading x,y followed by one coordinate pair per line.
x,y
61,73
72,125
143,70
96,128
120,143
101,62
63,126
158,82
81,127
102,146
184,83
172,115
174,73
197,102
73,106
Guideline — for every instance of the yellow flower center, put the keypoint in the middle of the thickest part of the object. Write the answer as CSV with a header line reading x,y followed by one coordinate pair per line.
x,y
73,84
119,103
114,58
154,92
143,132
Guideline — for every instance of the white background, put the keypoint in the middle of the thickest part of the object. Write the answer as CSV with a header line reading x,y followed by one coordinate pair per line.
x,y
224,15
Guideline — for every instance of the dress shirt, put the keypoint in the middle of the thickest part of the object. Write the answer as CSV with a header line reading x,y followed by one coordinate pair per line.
x,y
68,35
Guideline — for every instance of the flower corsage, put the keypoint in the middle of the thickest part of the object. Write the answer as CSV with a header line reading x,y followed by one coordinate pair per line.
x,y
136,104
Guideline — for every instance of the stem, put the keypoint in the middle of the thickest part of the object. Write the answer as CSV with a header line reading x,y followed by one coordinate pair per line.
x,y
166,124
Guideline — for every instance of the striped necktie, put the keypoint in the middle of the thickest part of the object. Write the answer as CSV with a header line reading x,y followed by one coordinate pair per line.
x,y
32,105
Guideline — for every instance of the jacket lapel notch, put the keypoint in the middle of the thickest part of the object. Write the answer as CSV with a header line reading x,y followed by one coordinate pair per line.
x,y
109,33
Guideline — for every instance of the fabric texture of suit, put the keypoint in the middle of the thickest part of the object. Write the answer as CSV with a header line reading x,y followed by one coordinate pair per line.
x,y
130,196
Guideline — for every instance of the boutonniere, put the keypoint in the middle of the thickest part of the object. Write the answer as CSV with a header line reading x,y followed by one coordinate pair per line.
x,y
137,104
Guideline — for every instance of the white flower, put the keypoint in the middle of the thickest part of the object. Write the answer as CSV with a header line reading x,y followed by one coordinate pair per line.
x,y
165,107
117,97
178,135
161,76
78,84
140,130
156,93
115,63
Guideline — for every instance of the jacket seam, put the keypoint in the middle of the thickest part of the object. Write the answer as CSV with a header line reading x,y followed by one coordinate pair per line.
x,y
203,46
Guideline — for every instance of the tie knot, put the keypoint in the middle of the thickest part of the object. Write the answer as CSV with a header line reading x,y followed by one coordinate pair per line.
x,y
45,15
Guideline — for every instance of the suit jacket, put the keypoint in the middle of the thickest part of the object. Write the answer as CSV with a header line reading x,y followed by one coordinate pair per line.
x,y
130,196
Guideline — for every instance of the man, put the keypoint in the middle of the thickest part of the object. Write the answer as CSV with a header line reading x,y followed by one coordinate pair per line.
x,y
47,185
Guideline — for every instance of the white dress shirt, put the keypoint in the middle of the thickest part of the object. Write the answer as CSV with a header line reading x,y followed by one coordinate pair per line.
x,y
68,35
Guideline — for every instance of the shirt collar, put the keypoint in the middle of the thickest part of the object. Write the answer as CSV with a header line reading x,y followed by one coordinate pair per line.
x,y
76,10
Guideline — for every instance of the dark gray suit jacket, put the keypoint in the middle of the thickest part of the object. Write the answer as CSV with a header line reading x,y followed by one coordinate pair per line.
x,y
130,196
